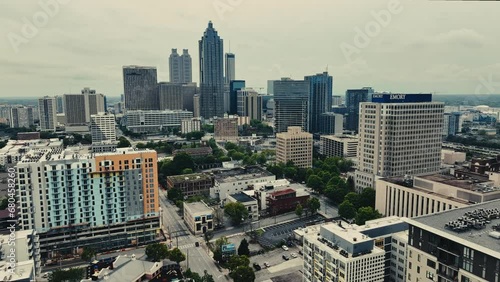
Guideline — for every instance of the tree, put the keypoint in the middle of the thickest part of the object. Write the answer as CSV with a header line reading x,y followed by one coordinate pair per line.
x,y
176,255
175,194
182,161
354,199
315,182
187,171
243,274
243,249
208,236
122,142
367,198
366,213
192,275
299,210
70,275
237,212
347,210
218,216
218,248
313,205
236,261
207,277
88,254
157,252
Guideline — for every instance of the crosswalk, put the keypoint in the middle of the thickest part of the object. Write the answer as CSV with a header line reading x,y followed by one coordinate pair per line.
x,y
186,246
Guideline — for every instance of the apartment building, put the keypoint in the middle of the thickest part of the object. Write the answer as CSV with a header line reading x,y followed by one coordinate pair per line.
x,y
456,245
154,121
74,198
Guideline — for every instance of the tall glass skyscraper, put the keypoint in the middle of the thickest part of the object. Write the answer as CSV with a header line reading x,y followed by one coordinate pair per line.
x,y
234,86
180,67
291,98
211,74
352,98
230,67
320,98
140,88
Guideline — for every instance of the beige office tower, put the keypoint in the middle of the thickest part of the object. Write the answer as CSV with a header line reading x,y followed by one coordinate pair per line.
x,y
295,145
399,134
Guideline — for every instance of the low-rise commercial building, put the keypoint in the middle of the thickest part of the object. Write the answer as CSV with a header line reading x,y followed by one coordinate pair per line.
x,y
451,157
194,152
231,181
285,200
190,125
249,203
191,184
198,217
154,121
226,129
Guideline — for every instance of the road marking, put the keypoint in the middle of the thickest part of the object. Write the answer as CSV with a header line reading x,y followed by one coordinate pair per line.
x,y
186,246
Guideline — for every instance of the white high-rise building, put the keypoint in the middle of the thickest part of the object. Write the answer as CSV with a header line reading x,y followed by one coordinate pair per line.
x,y
190,125
47,109
295,145
399,134
102,127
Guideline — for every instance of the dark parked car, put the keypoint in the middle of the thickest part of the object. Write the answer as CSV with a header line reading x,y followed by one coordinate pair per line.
x,y
256,266
300,252
286,257
197,244
290,244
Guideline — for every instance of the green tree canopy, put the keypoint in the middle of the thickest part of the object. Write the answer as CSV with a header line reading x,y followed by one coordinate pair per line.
x,y
175,194
347,210
176,255
367,198
366,213
237,261
315,182
299,210
157,252
88,254
313,205
122,142
237,212
243,249
243,274
354,199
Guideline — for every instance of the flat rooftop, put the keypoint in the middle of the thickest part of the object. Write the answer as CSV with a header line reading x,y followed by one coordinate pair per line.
x,y
451,180
189,177
197,207
242,197
478,237
240,173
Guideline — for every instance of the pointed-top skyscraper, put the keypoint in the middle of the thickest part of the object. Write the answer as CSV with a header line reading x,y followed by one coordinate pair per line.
x,y
211,74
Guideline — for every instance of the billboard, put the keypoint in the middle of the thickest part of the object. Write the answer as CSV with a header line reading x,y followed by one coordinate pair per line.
x,y
401,98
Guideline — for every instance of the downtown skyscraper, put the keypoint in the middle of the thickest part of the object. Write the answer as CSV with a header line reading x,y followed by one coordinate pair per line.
x,y
211,73
47,110
140,88
230,68
353,97
180,67
291,98
320,98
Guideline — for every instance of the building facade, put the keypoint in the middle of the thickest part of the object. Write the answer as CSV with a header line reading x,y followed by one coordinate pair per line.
x,y
191,184
320,99
247,201
291,104
399,134
234,87
456,245
190,125
230,68
353,98
344,146
330,123
102,127
211,74
180,67
451,123
249,103
285,200
226,129
170,96
198,217
21,117
79,107
47,109
104,201
154,121
140,88
294,145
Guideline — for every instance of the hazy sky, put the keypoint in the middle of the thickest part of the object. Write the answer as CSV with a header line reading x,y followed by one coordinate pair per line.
x,y
425,46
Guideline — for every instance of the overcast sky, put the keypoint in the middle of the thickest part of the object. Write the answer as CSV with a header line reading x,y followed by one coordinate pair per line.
x,y
425,46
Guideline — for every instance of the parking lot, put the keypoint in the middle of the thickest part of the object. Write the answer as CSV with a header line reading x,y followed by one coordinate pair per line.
x,y
277,265
273,235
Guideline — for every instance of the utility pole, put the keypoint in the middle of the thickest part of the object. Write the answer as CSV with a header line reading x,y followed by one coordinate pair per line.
x,y
187,258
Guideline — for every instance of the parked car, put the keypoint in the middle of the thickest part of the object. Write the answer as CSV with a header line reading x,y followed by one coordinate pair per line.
x,y
286,257
285,248
256,266
266,264
294,255
197,244
300,252
290,244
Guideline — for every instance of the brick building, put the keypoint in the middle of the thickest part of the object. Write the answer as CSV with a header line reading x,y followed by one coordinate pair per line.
x,y
191,184
285,201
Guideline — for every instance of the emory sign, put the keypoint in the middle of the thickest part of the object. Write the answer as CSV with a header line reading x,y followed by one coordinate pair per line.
x,y
398,96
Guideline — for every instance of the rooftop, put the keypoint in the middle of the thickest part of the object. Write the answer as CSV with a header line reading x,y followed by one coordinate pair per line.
x,y
282,192
128,268
197,207
476,234
189,177
464,183
232,175
242,197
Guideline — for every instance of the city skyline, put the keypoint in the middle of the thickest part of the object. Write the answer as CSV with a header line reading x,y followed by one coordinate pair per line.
x,y
396,58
